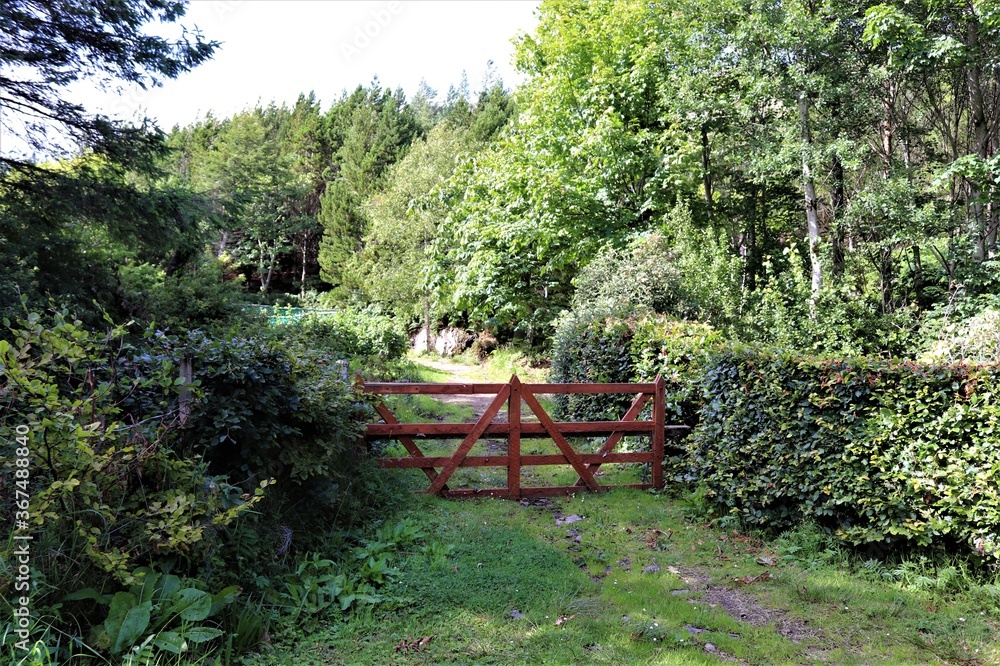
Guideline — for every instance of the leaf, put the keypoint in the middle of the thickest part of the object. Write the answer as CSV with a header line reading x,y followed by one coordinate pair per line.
x,y
127,620
192,605
89,593
170,641
202,634
223,598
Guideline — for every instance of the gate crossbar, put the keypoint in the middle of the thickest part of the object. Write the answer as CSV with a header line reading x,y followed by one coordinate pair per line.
x,y
514,430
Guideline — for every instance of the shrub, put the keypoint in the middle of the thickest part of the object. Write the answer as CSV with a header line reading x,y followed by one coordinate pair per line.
x,y
348,333
838,322
270,409
595,348
109,492
878,451
199,296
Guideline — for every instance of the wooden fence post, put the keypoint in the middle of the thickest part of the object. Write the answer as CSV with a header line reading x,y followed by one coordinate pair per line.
x,y
514,441
659,430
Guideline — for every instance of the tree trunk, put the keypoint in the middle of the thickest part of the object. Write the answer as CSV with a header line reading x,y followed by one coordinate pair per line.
x,y
749,242
837,204
980,136
809,188
427,323
302,284
706,169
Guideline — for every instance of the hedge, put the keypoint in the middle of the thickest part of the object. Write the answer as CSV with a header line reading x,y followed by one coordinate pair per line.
x,y
877,451
594,348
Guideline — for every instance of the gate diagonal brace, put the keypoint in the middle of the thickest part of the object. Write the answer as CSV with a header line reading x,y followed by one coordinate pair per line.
x,y
612,441
407,442
571,456
470,440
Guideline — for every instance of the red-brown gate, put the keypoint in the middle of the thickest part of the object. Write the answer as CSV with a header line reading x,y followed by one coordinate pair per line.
x,y
510,395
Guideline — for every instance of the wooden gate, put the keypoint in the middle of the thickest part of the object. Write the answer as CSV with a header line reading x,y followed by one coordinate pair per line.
x,y
514,430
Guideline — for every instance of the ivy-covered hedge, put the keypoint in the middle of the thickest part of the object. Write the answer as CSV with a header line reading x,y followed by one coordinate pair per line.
x,y
878,451
598,348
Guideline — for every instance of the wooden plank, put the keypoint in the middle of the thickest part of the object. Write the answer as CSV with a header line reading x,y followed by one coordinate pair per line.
x,y
471,389
383,388
526,460
572,456
531,430
612,441
659,418
408,444
536,491
590,388
500,493
469,441
514,439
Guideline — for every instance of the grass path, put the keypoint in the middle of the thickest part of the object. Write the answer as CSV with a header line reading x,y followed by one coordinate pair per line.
x,y
461,373
628,577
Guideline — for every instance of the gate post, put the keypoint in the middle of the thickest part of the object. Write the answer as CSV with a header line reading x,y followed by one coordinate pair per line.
x,y
659,430
514,440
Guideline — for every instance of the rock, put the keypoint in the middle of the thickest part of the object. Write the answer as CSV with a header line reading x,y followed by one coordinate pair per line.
x,y
568,520
446,342
451,341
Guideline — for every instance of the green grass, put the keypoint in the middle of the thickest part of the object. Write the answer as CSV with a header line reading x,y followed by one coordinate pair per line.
x,y
634,595
502,363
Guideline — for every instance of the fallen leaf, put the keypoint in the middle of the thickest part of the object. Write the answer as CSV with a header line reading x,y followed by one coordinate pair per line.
x,y
766,561
563,619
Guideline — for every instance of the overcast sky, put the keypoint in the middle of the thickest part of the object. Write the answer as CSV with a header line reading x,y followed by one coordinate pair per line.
x,y
274,49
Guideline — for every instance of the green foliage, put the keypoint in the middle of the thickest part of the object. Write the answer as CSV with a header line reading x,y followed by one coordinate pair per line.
x,y
267,411
322,588
837,322
600,348
348,333
880,452
403,222
104,475
197,297
158,610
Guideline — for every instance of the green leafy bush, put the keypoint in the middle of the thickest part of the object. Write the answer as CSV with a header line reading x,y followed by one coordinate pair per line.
x,y
600,348
878,451
272,409
109,491
199,296
348,333
159,611
104,476
839,322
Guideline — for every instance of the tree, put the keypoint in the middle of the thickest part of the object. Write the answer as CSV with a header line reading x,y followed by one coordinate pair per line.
x,y
371,129
403,222
64,224
46,46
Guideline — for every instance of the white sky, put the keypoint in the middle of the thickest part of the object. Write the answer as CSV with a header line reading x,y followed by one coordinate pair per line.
x,y
274,49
